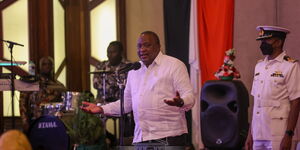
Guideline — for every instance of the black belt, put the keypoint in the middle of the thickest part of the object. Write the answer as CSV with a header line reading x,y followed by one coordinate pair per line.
x,y
170,141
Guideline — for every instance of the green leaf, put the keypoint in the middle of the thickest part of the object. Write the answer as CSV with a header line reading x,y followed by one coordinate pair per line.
x,y
85,128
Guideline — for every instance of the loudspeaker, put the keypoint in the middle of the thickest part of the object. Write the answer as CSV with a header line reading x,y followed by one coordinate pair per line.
x,y
224,114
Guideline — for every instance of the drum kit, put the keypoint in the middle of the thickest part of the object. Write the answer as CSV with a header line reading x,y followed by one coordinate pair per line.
x,y
48,131
69,104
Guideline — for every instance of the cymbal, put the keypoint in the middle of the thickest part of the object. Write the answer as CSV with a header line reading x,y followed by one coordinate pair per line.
x,y
101,72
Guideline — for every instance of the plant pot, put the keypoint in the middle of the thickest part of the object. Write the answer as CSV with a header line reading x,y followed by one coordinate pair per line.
x,y
228,78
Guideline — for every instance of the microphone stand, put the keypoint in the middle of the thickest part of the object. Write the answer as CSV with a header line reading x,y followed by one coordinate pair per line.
x,y
12,82
121,83
12,77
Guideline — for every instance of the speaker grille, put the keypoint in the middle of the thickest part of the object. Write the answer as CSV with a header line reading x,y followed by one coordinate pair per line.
x,y
220,125
218,93
224,118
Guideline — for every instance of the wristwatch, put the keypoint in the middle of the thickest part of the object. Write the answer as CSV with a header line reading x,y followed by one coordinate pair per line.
x,y
289,132
181,103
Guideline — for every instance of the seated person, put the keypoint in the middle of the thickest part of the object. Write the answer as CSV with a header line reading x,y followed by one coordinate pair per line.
x,y
115,62
109,91
50,91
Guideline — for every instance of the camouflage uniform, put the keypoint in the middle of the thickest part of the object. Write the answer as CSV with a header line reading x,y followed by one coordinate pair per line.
x,y
112,91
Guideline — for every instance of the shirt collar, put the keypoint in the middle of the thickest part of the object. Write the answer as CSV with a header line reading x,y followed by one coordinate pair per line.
x,y
279,58
158,58
156,61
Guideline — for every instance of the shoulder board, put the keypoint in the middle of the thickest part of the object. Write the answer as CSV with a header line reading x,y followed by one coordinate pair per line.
x,y
289,59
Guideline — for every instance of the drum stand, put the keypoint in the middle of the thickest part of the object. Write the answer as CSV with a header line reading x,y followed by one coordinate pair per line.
x,y
104,118
121,83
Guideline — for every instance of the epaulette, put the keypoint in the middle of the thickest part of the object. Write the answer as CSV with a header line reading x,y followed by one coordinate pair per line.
x,y
289,59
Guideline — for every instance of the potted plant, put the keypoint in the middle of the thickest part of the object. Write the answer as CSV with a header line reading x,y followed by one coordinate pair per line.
x,y
86,131
227,71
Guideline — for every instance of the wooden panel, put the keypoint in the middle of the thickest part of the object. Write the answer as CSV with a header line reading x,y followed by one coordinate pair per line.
x,y
121,23
94,61
77,49
6,3
1,93
62,2
33,31
94,3
60,69
7,123
40,29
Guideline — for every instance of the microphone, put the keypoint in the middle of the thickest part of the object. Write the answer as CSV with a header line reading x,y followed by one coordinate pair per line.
x,y
101,72
13,43
130,66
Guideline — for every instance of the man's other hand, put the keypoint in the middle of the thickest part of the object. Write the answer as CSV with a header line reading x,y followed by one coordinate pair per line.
x,y
177,101
249,142
91,108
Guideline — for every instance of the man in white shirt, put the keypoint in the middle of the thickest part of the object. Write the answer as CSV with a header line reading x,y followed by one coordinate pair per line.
x,y
276,92
159,93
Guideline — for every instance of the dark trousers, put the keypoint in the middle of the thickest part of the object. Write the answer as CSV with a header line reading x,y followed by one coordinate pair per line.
x,y
168,141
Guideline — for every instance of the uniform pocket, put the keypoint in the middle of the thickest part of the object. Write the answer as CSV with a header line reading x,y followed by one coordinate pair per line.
x,y
279,116
255,85
277,84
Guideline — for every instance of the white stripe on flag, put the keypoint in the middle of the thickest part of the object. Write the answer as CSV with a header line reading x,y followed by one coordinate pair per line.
x,y
195,75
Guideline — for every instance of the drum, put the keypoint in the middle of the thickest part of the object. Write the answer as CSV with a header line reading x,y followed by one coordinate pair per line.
x,y
48,133
51,109
70,101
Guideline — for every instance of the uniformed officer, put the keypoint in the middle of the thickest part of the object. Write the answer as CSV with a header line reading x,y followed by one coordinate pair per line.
x,y
276,92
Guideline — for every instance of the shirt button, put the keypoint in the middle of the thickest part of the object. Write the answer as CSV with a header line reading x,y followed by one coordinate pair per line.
x,y
258,95
257,112
280,118
266,68
261,81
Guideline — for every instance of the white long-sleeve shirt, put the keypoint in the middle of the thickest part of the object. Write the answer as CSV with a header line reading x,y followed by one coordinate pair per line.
x,y
145,91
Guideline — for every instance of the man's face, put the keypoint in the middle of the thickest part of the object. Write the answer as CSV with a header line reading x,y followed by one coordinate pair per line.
x,y
46,66
269,41
114,55
147,48
270,46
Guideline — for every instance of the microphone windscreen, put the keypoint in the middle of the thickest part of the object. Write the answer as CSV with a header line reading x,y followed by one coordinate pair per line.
x,y
136,65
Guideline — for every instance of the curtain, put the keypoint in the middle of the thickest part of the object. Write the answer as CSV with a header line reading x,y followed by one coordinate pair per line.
x,y
176,26
215,24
